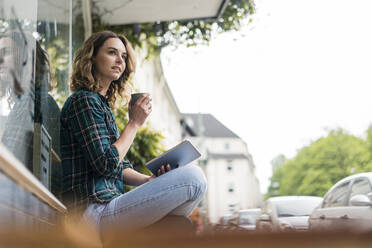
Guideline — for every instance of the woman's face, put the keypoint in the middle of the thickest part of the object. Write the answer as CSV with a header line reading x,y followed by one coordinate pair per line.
x,y
109,62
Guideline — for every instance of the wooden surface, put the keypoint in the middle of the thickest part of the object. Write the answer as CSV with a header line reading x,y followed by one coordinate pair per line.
x,y
13,169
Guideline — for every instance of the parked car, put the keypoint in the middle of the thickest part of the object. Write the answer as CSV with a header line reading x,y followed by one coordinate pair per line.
x,y
346,206
225,220
247,218
287,213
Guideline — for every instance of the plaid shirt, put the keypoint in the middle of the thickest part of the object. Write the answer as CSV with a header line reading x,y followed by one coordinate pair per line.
x,y
91,168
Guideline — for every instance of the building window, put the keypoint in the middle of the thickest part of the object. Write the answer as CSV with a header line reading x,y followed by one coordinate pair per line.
x,y
229,165
230,188
231,208
227,146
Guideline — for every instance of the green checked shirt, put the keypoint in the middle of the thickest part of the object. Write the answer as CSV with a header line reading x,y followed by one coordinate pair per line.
x,y
91,167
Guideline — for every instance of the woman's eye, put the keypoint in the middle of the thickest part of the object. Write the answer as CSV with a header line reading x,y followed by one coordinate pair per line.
x,y
111,52
124,57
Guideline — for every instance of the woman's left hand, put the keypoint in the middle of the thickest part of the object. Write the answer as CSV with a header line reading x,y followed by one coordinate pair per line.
x,y
163,169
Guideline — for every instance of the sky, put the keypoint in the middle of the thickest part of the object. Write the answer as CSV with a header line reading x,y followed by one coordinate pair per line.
x,y
299,69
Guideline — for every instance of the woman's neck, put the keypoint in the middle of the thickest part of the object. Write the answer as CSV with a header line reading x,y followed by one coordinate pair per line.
x,y
104,87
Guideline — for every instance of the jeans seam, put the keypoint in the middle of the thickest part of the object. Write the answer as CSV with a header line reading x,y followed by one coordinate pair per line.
x,y
163,192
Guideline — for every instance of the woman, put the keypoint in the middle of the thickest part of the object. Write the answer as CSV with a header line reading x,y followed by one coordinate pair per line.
x,y
92,149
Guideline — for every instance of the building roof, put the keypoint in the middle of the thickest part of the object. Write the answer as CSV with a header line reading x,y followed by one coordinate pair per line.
x,y
210,126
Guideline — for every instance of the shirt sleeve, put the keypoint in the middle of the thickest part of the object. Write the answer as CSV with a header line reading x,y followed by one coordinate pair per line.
x,y
126,164
87,120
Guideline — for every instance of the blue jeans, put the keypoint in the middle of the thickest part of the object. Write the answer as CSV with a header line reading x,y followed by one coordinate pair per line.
x,y
176,192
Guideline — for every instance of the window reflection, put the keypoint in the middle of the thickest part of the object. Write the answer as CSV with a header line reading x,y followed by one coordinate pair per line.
x,y
18,88
34,71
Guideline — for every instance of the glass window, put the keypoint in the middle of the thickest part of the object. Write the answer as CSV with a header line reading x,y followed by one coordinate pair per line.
x,y
227,146
229,165
231,208
361,186
337,197
231,188
248,218
296,207
35,60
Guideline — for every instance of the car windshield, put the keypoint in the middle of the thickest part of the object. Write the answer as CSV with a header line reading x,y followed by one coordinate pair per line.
x,y
248,218
296,207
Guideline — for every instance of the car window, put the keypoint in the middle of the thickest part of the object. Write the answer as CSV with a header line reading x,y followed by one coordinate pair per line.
x,y
296,206
361,186
248,218
337,197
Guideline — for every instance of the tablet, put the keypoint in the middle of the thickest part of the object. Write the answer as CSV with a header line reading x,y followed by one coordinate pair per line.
x,y
181,155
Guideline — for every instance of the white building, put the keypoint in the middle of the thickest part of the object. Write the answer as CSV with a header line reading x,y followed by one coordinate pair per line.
x,y
165,116
232,184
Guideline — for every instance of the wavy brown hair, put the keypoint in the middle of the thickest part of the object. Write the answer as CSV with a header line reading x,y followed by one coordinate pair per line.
x,y
83,68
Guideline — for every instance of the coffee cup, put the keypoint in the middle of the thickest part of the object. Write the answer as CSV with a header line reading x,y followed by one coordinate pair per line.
x,y
134,97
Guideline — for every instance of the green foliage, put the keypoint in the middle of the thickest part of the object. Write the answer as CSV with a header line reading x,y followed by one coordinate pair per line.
x,y
369,139
58,58
146,146
187,32
318,166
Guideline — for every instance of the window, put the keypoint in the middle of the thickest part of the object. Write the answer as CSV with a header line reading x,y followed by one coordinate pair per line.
x,y
227,146
337,197
231,208
361,186
36,55
230,188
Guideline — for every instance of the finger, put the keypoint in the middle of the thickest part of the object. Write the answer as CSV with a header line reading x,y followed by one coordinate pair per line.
x,y
162,169
159,172
146,102
143,99
168,167
149,110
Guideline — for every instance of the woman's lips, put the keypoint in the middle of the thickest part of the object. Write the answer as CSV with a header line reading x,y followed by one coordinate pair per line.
x,y
116,68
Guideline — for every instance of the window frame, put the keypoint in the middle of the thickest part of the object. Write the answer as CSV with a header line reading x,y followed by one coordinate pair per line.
x,y
352,184
345,201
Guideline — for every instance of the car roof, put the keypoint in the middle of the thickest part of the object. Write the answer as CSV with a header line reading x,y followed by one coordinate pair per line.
x,y
292,197
349,178
250,210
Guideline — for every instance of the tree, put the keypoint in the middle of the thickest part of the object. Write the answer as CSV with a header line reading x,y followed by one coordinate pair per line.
x,y
188,32
318,166
276,164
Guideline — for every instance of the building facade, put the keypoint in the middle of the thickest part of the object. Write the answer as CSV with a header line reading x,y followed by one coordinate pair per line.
x,y
165,116
229,167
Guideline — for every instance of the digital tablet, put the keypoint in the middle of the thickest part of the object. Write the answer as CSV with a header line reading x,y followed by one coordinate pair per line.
x,y
181,155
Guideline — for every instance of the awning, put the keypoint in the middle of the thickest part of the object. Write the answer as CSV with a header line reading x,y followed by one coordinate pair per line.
x,y
118,12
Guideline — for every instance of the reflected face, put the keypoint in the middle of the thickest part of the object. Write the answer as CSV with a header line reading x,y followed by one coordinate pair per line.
x,y
6,57
109,62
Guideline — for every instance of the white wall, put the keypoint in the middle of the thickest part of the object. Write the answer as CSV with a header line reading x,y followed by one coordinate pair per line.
x,y
246,192
165,116
226,145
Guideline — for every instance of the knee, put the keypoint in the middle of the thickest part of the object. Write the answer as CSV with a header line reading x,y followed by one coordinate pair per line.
x,y
195,176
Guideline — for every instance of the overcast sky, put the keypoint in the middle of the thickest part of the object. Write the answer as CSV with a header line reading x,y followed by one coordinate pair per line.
x,y
300,68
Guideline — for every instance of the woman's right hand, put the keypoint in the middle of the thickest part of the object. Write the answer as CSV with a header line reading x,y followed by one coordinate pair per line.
x,y
140,110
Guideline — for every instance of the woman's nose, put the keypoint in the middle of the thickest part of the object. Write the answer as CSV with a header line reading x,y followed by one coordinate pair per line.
x,y
120,60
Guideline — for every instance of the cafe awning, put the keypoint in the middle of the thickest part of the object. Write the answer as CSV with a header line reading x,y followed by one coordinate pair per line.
x,y
118,12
